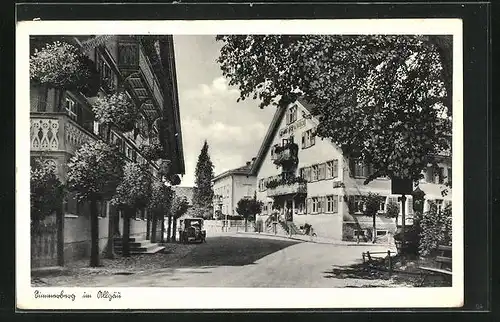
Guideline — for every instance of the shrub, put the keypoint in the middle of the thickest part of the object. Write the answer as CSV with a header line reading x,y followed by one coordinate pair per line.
x,y
392,210
46,190
117,109
95,171
60,65
435,228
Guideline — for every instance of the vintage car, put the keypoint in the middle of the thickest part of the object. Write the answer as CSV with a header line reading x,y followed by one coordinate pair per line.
x,y
191,230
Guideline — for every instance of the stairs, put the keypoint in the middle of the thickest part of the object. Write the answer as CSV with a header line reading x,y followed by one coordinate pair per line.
x,y
138,246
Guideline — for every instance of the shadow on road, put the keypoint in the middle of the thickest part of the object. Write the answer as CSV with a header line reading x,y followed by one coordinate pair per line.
x,y
230,251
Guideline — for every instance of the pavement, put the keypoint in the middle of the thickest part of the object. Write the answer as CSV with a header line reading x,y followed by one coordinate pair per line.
x,y
249,260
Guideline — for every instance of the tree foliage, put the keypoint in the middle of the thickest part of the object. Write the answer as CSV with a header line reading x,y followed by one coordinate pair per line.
x,y
371,203
435,229
60,65
179,206
161,198
117,109
135,189
248,207
95,171
204,173
392,210
46,190
394,90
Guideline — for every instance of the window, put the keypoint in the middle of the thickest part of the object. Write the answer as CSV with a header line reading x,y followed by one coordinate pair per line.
x,y
332,169
315,205
308,139
305,173
381,232
332,204
106,74
357,204
102,207
301,207
71,108
360,233
322,171
291,114
315,173
382,204
361,169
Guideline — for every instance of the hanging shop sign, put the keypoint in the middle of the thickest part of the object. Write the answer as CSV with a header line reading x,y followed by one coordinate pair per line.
x,y
292,127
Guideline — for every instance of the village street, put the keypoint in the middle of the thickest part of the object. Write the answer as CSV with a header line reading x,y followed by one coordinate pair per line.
x,y
238,260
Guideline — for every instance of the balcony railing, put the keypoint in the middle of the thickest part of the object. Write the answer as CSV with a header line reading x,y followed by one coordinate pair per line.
x,y
57,132
285,155
288,189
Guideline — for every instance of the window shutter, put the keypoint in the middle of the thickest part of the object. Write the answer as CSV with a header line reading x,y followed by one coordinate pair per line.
x,y
335,168
335,203
309,206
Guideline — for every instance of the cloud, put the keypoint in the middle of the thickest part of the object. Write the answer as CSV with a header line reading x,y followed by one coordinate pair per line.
x,y
234,131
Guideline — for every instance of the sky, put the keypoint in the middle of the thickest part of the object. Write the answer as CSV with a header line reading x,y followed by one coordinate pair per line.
x,y
209,111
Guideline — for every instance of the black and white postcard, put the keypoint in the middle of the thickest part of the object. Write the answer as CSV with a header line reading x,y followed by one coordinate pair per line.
x,y
281,164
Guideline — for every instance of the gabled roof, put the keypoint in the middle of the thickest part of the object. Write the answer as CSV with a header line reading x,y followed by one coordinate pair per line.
x,y
271,132
244,170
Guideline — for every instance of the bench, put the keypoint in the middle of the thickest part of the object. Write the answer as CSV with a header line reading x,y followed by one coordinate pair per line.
x,y
369,257
444,261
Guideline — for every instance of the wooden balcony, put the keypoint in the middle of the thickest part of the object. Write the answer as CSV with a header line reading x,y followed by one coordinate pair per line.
x,y
136,68
288,189
57,132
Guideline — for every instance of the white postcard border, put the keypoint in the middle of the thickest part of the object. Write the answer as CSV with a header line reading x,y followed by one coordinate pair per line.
x,y
234,298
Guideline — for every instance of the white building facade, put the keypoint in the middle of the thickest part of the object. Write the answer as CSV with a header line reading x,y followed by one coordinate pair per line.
x,y
309,180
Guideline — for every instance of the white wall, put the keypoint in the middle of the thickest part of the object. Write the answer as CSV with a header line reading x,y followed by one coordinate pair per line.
x,y
223,187
243,186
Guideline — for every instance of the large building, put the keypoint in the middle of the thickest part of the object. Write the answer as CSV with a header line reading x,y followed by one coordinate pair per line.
x,y
144,68
231,186
311,177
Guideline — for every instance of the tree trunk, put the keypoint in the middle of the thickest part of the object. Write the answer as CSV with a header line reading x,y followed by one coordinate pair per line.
x,y
374,234
162,238
154,225
108,133
110,254
174,229
246,224
148,225
126,232
60,234
169,229
94,233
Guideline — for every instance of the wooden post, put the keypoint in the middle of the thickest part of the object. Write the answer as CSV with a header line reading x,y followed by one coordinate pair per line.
x,y
60,234
403,220
390,261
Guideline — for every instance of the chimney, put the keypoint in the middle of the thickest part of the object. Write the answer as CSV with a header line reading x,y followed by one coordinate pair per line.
x,y
248,163
253,159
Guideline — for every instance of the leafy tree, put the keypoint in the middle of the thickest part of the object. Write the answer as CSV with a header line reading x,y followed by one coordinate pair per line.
x,y
247,208
62,66
178,208
204,173
116,109
94,173
371,207
46,190
395,90
392,210
161,199
435,229
133,192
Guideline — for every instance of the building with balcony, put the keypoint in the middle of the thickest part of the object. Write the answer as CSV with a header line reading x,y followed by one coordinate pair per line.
x,y
143,67
231,186
311,181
